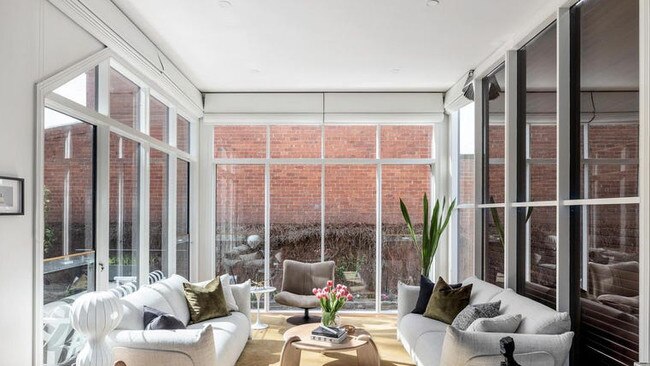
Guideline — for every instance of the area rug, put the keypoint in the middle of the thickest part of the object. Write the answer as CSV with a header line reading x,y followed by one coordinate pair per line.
x,y
266,345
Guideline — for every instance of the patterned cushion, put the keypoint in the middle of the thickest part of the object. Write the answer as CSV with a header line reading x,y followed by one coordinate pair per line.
x,y
472,312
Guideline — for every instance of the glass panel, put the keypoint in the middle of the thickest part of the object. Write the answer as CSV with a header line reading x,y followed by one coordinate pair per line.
x,y
232,142
158,120
183,218
466,154
82,89
542,178
124,204
295,142
69,233
350,142
183,134
400,259
466,248
158,198
537,225
493,256
494,92
407,142
240,222
350,229
609,319
124,100
609,98
295,217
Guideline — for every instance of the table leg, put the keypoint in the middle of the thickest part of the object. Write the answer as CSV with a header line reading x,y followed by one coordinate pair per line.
x,y
290,354
368,355
258,324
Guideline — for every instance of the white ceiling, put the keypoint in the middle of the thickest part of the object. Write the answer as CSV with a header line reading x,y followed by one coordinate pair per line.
x,y
330,45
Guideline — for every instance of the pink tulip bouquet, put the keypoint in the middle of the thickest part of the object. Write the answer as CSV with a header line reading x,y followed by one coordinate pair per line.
x,y
331,298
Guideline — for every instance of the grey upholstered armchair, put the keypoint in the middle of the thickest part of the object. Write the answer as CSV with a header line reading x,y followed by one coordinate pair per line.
x,y
298,280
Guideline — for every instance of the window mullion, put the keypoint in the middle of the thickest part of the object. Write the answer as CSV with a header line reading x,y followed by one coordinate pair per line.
x,y
102,214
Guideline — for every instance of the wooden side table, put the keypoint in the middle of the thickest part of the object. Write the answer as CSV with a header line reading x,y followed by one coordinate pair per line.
x,y
298,339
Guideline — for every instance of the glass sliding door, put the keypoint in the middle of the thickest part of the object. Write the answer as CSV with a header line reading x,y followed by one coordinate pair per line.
x,y
69,232
183,218
158,217
124,201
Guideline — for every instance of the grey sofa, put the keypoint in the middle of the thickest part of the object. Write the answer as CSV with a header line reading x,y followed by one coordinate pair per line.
x,y
543,337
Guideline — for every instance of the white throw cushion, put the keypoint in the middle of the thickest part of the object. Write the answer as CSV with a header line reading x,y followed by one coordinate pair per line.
x,y
536,318
482,291
172,290
227,293
506,323
133,307
461,347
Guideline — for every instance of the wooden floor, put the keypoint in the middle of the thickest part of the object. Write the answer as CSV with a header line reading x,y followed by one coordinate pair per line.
x,y
266,345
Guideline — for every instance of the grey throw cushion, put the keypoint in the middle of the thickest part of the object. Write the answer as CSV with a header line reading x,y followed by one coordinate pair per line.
x,y
507,323
472,312
155,319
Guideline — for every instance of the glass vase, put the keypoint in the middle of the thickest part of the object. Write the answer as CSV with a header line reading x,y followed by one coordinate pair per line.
x,y
330,319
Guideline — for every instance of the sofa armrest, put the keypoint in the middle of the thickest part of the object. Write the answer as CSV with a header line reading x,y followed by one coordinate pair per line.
x,y
196,345
242,294
407,297
460,347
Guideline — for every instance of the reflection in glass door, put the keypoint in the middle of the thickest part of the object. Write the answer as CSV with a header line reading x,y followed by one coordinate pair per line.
x,y
69,234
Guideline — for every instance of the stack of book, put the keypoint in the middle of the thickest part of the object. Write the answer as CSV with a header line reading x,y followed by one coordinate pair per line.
x,y
327,334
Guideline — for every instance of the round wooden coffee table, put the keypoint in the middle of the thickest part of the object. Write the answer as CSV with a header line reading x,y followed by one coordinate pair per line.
x,y
298,339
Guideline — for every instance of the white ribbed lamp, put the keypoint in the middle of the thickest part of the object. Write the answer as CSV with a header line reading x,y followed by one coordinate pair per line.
x,y
94,315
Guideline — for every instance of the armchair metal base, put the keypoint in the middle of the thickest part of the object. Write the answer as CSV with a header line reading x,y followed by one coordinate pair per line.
x,y
305,319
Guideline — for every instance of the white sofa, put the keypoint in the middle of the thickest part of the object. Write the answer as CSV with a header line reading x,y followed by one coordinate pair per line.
x,y
217,341
543,337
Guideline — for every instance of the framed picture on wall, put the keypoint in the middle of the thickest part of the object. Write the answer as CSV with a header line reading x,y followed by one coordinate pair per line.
x,y
12,195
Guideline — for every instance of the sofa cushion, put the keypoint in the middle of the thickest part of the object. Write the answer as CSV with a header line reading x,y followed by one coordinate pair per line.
x,y
426,289
227,293
460,347
230,336
172,290
472,312
412,326
133,307
205,302
536,318
482,291
446,303
155,319
506,323
299,301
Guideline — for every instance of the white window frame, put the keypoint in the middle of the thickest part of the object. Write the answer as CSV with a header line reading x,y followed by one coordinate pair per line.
x,y
46,98
377,162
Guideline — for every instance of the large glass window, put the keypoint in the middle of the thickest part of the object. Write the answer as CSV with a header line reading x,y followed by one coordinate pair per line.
x,y
350,229
295,217
240,221
400,261
494,95
69,231
465,186
158,217
82,89
124,98
604,141
124,201
183,137
323,193
183,218
158,119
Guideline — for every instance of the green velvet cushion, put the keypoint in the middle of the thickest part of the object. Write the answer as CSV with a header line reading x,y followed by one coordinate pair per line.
x,y
205,302
446,302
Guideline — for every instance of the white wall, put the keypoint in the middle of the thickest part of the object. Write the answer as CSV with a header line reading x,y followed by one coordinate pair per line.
x,y
36,40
